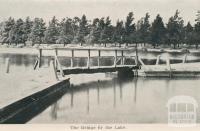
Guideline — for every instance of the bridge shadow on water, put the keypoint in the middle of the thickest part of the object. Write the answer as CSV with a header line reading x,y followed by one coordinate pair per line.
x,y
29,107
100,86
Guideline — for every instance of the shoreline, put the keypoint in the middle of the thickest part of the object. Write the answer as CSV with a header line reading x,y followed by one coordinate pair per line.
x,y
34,50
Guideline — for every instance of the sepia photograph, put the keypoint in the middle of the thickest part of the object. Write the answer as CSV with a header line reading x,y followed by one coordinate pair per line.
x,y
112,62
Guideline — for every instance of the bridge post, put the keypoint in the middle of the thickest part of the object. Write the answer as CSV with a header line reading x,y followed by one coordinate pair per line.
x,y
7,65
72,58
40,58
59,65
99,55
52,65
56,51
185,59
136,60
115,60
56,63
169,66
122,59
158,60
88,62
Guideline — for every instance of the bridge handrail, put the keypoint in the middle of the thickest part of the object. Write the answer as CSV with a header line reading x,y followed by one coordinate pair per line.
x,y
90,48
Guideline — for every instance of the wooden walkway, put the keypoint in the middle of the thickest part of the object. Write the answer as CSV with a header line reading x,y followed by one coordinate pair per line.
x,y
117,54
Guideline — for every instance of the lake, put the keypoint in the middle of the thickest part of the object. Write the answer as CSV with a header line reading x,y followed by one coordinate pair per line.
x,y
105,98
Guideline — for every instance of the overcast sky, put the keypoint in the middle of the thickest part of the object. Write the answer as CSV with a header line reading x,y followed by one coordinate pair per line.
x,y
116,9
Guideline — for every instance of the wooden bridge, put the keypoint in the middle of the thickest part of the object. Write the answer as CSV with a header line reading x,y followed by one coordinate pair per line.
x,y
117,54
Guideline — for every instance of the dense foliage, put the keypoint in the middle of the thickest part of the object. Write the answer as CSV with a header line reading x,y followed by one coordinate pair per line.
x,y
101,31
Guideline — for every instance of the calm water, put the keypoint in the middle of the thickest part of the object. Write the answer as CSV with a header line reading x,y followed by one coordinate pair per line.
x,y
104,98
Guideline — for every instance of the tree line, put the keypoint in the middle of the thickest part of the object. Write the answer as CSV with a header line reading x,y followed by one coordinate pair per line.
x,y
101,31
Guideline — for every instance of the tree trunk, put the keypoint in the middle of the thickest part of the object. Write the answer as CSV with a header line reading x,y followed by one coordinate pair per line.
x,y
154,45
104,44
40,41
174,46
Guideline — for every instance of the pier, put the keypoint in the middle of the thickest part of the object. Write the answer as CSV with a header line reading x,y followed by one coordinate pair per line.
x,y
26,108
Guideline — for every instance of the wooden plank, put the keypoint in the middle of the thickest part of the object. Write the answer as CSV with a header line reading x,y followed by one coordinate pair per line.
x,y
72,58
122,57
56,51
36,63
115,59
56,61
59,65
91,48
99,55
158,59
96,70
140,60
40,57
136,54
30,106
169,67
52,65
185,58
175,73
88,61
7,65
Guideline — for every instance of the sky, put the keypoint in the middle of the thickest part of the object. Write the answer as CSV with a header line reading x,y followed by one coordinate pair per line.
x,y
116,9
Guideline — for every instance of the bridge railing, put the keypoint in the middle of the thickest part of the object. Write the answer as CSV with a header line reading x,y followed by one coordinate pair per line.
x,y
118,55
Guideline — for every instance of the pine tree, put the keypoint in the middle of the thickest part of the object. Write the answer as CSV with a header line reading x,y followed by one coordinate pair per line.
x,y
66,32
37,31
144,30
188,33
27,28
18,32
157,31
89,39
129,28
101,30
175,29
106,32
83,30
197,30
137,36
95,30
118,32
7,29
51,33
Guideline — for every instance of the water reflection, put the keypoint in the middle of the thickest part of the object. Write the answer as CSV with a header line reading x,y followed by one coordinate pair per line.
x,y
135,89
88,100
114,93
137,100
54,110
72,97
121,91
98,86
98,93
